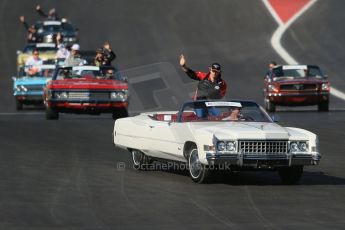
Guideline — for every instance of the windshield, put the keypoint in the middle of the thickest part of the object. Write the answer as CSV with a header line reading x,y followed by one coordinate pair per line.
x,y
94,73
29,49
37,71
64,27
223,111
297,72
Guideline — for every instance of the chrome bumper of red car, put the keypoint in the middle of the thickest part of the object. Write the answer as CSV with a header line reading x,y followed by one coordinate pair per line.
x,y
297,94
310,98
96,106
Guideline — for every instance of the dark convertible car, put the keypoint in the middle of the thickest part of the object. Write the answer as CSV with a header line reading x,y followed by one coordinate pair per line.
x,y
47,31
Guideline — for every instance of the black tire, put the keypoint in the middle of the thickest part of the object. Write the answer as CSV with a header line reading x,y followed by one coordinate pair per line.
x,y
19,105
140,160
120,113
290,175
198,172
323,106
269,106
51,114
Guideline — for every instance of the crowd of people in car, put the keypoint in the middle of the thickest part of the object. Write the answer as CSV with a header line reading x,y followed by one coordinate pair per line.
x,y
67,53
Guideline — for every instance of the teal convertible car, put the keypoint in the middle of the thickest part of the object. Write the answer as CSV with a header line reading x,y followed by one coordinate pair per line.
x,y
28,85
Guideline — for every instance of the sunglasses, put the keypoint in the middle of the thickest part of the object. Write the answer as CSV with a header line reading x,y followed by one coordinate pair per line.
x,y
215,71
36,54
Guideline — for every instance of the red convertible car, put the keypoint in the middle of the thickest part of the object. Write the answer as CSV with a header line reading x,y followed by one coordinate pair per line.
x,y
86,89
296,85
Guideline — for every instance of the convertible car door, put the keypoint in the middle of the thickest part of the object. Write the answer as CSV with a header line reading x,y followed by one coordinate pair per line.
x,y
162,142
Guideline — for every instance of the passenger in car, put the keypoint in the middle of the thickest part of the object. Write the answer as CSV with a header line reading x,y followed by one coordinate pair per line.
x,y
105,55
32,63
271,66
31,36
235,114
211,85
62,52
74,58
52,15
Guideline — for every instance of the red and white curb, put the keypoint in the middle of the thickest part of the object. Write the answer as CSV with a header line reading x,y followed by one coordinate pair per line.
x,y
286,12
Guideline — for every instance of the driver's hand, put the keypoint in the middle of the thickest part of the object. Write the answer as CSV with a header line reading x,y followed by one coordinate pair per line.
x,y
182,60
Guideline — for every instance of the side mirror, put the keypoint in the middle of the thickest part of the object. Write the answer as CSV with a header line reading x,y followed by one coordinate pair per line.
x,y
14,78
275,118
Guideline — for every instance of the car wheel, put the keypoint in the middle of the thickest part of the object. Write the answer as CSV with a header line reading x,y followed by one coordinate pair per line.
x,y
269,106
290,175
140,160
198,172
51,114
120,113
323,106
19,105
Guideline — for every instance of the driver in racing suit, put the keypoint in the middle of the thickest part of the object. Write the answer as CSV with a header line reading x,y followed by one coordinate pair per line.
x,y
211,85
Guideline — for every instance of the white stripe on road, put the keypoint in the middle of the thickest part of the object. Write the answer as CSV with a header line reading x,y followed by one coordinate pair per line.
x,y
277,35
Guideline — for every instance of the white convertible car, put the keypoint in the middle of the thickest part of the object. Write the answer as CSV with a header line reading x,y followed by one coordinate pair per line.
x,y
210,134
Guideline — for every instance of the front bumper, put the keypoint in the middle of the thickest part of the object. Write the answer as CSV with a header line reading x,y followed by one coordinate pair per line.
x,y
86,106
263,160
298,98
30,99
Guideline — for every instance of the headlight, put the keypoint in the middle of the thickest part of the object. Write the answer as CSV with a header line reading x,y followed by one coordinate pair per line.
x,y
113,95
294,147
221,146
231,146
61,95
119,95
23,88
301,146
325,86
272,88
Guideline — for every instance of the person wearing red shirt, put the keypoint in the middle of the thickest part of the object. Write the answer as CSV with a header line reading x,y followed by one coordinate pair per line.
x,y
211,85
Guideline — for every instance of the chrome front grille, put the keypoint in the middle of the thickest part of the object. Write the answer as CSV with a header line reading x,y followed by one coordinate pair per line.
x,y
78,95
93,95
263,147
34,87
297,87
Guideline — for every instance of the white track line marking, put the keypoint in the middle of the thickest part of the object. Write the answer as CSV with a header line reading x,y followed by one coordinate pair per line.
x,y
277,35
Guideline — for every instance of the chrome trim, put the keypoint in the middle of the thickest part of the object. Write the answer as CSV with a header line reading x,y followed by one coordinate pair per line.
x,y
280,94
239,159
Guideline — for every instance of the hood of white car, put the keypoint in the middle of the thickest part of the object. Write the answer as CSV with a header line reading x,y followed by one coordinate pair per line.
x,y
241,130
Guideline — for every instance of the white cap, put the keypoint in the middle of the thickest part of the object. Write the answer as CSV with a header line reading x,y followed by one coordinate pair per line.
x,y
75,47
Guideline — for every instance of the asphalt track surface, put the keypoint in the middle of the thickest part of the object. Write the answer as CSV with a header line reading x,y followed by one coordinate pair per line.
x,y
66,174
